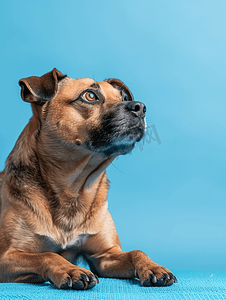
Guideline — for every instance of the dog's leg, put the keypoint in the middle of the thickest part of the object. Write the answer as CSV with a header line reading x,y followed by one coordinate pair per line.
x,y
17,266
134,264
30,278
106,259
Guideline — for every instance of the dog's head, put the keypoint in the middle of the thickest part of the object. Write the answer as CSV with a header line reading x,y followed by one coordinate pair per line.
x,y
100,116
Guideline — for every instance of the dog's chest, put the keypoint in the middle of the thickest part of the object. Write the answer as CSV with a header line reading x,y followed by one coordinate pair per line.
x,y
75,244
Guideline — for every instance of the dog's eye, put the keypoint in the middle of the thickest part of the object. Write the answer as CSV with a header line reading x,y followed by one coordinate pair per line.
x,y
90,96
125,96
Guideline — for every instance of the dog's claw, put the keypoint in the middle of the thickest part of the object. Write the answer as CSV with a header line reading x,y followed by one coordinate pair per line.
x,y
93,281
66,285
153,278
96,278
85,279
167,276
170,282
168,279
69,281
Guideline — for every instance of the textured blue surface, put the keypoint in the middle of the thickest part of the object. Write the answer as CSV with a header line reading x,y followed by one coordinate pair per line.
x,y
191,285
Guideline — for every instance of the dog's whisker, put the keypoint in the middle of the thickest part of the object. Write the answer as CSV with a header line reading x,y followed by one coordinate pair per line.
x,y
117,168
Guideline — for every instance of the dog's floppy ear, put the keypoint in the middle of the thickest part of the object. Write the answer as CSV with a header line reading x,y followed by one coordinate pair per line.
x,y
38,90
118,84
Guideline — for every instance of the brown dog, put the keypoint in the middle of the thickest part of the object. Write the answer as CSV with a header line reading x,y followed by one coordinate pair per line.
x,y
53,190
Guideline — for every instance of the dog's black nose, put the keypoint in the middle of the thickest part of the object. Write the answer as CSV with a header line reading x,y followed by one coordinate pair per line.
x,y
137,107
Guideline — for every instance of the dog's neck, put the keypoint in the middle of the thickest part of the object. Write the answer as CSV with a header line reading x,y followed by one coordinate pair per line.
x,y
67,170
70,169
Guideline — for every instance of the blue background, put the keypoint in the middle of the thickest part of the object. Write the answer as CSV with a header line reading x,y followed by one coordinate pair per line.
x,y
169,199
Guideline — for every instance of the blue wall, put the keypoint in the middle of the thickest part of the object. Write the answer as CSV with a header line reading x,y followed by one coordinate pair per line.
x,y
168,199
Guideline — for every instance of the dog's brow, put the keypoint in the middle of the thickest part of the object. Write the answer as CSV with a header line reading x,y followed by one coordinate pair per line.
x,y
95,85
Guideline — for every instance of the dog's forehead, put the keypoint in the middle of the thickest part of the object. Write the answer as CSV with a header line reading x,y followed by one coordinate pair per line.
x,y
73,87
109,91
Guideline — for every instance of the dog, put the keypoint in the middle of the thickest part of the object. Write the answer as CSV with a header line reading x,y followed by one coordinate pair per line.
x,y
53,190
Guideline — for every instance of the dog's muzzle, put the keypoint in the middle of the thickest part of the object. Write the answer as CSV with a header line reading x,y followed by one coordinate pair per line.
x,y
120,128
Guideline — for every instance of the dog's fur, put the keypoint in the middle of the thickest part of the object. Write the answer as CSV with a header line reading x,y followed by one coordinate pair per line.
x,y
53,190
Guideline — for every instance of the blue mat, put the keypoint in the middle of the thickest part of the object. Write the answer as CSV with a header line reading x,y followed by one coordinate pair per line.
x,y
191,285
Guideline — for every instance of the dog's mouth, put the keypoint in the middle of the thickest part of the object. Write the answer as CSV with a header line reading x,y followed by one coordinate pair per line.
x,y
118,133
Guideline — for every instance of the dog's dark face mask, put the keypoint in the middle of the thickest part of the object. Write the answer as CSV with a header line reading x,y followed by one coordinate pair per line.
x,y
121,126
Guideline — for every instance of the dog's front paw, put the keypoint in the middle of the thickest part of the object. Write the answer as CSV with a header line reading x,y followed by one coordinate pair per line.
x,y
76,278
156,275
